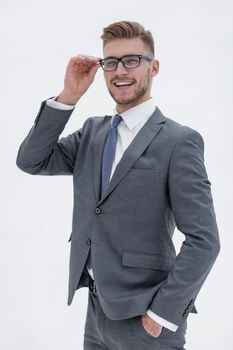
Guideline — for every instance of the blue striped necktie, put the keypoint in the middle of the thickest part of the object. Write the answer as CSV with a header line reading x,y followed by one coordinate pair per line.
x,y
108,157
109,153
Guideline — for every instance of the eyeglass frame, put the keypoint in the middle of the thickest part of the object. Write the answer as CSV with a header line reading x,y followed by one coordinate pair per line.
x,y
119,59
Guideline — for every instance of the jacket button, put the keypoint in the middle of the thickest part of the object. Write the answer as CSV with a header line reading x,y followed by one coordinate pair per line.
x,y
97,210
88,241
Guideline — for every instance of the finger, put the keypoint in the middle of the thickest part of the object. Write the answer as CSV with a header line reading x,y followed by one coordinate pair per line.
x,y
84,59
93,71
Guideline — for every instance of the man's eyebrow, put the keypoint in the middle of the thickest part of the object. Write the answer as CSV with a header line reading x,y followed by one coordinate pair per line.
x,y
111,57
129,54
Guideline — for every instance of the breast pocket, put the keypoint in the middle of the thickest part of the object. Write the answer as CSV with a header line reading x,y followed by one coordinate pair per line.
x,y
147,162
144,183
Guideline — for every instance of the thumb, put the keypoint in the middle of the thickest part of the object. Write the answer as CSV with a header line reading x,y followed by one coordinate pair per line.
x,y
93,71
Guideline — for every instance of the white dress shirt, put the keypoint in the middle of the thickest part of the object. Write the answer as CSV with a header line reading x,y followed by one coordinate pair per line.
x,y
133,121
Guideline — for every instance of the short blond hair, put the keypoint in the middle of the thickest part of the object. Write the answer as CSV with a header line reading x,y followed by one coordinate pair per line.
x,y
128,30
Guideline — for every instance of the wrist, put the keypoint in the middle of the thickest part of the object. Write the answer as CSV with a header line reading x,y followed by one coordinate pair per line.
x,y
66,99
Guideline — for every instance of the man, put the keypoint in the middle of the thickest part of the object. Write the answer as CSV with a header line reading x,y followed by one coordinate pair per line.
x,y
137,174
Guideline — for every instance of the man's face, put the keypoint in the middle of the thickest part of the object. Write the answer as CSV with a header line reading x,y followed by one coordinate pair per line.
x,y
129,87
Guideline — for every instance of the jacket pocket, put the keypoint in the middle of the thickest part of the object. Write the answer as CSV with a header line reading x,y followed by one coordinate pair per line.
x,y
147,261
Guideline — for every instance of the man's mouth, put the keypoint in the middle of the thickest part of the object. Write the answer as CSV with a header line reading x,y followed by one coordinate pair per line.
x,y
120,84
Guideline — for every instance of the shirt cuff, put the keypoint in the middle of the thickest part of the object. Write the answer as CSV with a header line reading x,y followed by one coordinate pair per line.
x,y
171,326
58,105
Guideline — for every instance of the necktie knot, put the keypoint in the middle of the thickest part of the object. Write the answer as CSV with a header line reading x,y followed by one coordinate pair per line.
x,y
116,120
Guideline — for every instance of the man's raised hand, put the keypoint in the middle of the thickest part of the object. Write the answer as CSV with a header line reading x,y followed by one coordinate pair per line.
x,y
80,73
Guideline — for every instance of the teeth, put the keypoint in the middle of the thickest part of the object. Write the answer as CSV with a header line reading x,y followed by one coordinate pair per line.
x,y
124,83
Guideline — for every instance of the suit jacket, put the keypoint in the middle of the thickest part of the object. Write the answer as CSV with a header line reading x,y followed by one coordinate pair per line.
x,y
159,183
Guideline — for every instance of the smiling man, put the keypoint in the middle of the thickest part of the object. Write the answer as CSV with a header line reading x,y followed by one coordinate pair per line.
x,y
137,175
129,83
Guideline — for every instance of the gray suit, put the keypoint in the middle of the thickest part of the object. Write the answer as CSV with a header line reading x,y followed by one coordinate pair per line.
x,y
159,183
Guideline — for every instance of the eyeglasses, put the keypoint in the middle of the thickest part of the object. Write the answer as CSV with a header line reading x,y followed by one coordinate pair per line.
x,y
129,62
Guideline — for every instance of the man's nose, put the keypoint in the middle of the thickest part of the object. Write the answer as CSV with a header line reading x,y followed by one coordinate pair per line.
x,y
121,69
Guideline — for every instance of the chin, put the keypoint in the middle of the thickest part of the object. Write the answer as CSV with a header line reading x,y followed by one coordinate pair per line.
x,y
124,101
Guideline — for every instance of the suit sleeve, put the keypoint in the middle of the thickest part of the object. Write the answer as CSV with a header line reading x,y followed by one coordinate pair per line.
x,y
192,206
42,152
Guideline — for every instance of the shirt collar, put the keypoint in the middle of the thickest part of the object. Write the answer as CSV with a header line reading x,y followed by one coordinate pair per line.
x,y
133,116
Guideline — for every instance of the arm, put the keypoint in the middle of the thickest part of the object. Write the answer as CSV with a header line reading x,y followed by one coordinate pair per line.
x,y
193,210
41,152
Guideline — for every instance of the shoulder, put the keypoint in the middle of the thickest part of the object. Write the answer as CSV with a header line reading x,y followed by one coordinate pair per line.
x,y
176,132
97,121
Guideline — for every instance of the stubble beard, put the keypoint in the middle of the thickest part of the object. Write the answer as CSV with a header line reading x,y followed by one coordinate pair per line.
x,y
138,94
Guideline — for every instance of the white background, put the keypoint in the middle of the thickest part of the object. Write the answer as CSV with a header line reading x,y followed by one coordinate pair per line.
x,y
194,45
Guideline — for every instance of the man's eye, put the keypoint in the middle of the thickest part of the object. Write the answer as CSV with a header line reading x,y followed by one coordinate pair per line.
x,y
130,61
110,63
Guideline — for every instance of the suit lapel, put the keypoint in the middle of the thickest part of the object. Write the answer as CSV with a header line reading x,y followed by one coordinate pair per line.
x,y
141,141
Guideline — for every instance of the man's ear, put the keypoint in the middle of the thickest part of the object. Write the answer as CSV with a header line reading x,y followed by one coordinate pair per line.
x,y
154,67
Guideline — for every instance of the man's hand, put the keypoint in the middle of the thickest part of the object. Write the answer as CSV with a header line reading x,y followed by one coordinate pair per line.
x,y
151,326
80,74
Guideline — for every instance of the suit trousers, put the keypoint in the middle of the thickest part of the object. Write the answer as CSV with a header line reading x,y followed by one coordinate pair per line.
x,y
102,333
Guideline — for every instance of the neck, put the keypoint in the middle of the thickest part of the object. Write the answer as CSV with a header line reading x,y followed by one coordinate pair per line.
x,y
125,107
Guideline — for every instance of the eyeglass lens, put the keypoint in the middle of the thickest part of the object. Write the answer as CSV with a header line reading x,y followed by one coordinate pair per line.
x,y
127,61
